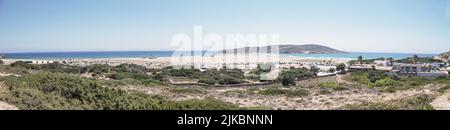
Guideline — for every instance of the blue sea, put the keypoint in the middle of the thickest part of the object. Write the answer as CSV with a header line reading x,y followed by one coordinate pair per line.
x,y
141,54
368,55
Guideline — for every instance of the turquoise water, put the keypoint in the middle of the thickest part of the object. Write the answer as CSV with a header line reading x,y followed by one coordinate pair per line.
x,y
354,55
140,54
75,55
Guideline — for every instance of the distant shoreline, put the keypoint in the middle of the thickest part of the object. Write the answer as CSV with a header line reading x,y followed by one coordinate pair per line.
x,y
152,54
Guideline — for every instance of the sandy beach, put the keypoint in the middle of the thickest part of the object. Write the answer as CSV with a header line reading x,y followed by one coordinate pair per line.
x,y
240,61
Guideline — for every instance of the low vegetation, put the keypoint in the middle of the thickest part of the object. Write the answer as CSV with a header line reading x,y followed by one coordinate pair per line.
x,y
444,89
420,102
188,90
341,67
58,86
409,60
151,77
290,76
333,86
416,59
255,74
374,78
240,93
286,92
392,83
361,60
56,91
287,78
212,77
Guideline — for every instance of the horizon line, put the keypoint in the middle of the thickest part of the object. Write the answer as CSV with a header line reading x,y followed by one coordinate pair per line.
x,y
88,51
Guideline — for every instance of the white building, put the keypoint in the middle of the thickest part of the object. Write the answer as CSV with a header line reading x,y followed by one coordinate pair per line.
x,y
383,63
424,70
42,62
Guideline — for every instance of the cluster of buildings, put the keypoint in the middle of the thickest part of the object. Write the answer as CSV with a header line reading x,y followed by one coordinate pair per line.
x,y
48,62
436,69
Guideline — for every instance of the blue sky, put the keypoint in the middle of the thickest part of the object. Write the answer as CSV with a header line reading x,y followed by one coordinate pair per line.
x,y
409,26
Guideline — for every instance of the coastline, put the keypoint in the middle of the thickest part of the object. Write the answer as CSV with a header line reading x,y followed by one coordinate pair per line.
x,y
205,61
152,54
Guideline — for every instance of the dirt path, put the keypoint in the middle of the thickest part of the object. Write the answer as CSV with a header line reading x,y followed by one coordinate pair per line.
x,y
5,106
2,74
442,102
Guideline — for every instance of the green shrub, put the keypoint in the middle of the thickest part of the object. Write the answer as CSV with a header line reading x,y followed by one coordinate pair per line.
x,y
297,93
314,70
58,91
208,103
160,77
415,59
341,67
181,72
304,73
236,73
287,78
119,76
230,80
286,92
370,78
126,75
373,76
260,69
384,82
20,64
416,81
150,82
188,90
55,91
421,102
130,68
332,85
360,79
210,81
53,67
394,77
98,69
331,70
